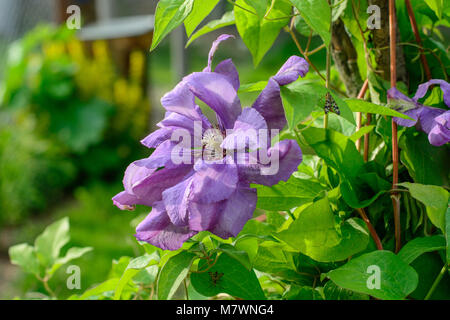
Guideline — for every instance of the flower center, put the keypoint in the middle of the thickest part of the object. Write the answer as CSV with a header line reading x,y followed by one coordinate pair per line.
x,y
211,141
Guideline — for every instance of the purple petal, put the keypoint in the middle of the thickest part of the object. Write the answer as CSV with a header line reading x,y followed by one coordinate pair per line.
x,y
156,138
203,216
291,70
269,103
405,105
126,201
237,210
218,93
427,117
423,88
158,230
246,131
228,69
289,158
182,101
175,200
213,49
440,133
213,182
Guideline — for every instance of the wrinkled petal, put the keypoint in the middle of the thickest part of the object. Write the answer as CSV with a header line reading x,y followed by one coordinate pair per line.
x,y
218,93
237,210
403,104
228,69
158,230
152,187
214,47
203,216
156,138
176,200
135,173
213,182
427,117
280,167
269,103
440,132
246,131
126,201
181,100
423,88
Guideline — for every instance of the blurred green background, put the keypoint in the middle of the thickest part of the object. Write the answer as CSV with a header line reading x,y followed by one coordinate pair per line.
x,y
72,113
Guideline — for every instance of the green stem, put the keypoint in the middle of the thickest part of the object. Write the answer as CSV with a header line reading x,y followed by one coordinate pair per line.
x,y
436,282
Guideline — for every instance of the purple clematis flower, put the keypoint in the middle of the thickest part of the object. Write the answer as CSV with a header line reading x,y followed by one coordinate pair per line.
x,y
433,121
209,189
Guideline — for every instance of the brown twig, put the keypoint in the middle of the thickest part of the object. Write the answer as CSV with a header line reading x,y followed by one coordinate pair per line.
x,y
372,230
361,95
366,139
395,157
412,19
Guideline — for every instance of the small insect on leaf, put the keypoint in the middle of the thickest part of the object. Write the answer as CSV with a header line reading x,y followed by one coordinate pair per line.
x,y
215,277
330,104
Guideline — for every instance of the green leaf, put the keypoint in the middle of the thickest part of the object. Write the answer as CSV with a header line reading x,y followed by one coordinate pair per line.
x,y
169,15
259,34
447,233
302,293
315,234
238,255
300,98
338,8
253,87
133,268
23,255
358,105
397,279
107,286
260,6
49,243
345,111
287,195
72,253
434,198
200,10
227,276
320,23
437,6
334,292
226,20
361,132
426,163
173,273
419,246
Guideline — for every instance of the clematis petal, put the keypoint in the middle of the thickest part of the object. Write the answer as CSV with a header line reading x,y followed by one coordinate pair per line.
x,y
405,105
228,69
285,157
427,117
213,49
218,93
203,216
158,230
181,100
237,210
213,182
440,132
423,88
156,138
269,103
246,131
126,201
176,201
152,187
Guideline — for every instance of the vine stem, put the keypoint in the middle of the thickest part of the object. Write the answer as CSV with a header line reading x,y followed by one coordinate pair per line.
x,y
395,157
436,282
372,230
361,95
415,29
